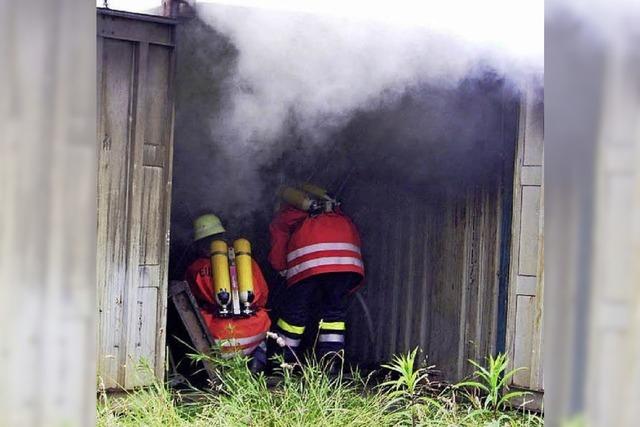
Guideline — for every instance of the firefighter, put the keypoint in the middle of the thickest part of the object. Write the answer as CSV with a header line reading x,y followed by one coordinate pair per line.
x,y
316,248
233,334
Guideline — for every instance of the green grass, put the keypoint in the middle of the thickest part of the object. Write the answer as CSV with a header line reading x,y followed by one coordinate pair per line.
x,y
309,398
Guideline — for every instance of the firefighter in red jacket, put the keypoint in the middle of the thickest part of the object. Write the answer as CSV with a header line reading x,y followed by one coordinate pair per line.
x,y
234,335
316,247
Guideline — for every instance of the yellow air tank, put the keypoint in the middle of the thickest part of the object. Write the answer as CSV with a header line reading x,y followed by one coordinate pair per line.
x,y
297,198
242,249
314,190
220,271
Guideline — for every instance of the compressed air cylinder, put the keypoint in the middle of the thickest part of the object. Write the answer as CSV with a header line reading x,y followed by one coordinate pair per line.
x,y
242,249
314,190
297,198
220,271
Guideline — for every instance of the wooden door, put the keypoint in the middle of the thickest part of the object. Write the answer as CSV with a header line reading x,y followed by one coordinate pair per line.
x,y
525,307
134,136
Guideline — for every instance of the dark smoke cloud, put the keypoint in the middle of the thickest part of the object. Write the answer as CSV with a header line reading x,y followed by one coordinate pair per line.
x,y
266,98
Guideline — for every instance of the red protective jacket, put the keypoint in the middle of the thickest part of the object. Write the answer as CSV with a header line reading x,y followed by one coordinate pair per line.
x,y
237,334
305,245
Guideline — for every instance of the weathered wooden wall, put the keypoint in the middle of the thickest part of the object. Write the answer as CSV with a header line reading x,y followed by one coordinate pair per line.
x,y
135,64
47,213
525,314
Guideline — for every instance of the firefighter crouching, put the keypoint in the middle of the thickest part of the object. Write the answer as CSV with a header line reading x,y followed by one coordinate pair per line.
x,y
316,247
231,292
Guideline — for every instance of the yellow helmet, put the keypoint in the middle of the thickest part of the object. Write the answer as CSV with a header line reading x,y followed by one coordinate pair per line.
x,y
207,225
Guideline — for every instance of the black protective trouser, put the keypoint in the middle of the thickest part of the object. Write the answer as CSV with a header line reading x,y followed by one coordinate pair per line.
x,y
331,291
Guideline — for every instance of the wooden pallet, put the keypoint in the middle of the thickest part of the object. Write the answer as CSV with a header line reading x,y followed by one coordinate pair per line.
x,y
187,308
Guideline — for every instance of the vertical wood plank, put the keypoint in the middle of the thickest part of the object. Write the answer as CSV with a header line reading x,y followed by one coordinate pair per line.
x,y
525,315
152,216
524,318
163,288
114,135
128,375
536,370
529,227
141,343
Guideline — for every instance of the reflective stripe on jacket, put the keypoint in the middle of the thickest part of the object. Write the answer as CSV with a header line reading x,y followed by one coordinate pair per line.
x,y
241,346
309,245
236,335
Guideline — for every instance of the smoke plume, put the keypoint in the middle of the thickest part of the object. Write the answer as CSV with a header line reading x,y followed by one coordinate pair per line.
x,y
317,70
265,96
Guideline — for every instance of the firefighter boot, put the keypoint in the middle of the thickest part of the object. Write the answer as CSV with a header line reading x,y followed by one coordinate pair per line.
x,y
258,361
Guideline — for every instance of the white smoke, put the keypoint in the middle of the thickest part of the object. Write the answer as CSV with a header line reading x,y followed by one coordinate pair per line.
x,y
317,69
295,76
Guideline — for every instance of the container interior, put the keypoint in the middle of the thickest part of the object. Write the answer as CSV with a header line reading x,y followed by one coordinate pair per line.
x,y
427,177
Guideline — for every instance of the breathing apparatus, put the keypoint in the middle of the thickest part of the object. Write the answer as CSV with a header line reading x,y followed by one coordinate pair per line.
x,y
233,278
231,269
310,198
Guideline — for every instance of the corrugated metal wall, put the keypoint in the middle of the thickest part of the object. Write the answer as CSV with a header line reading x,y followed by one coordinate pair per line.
x,y
436,227
135,128
432,275
427,180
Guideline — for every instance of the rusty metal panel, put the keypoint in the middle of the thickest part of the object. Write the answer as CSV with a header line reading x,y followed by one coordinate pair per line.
x,y
135,137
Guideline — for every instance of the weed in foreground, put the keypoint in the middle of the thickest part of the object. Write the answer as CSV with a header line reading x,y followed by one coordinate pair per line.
x,y
492,381
411,394
307,397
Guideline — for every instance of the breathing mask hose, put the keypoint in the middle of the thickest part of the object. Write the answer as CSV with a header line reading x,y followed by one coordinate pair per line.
x,y
367,316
